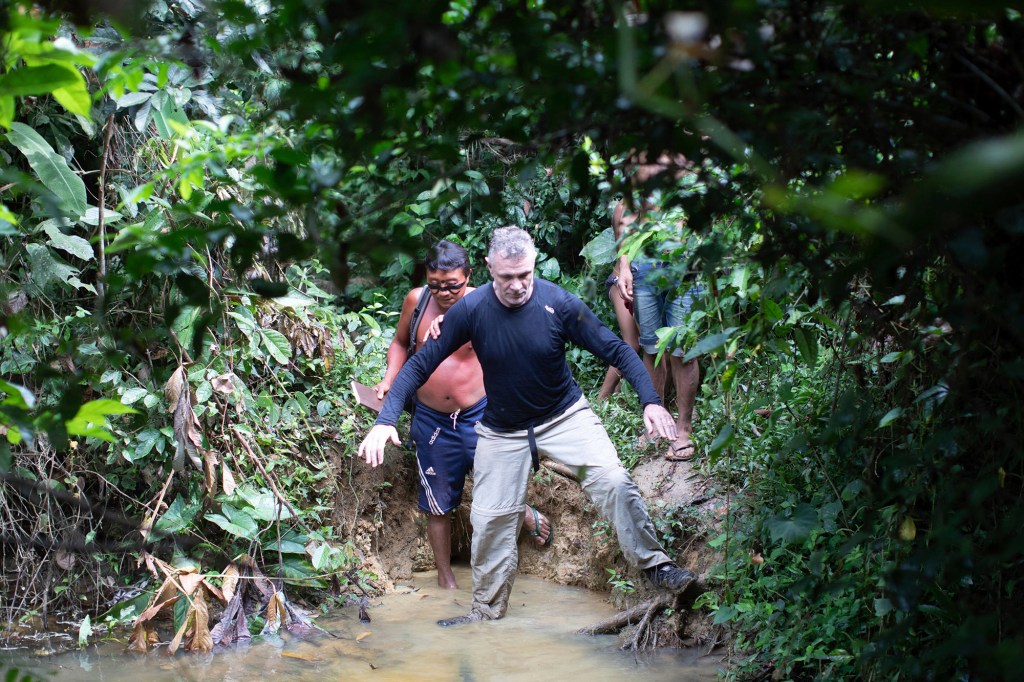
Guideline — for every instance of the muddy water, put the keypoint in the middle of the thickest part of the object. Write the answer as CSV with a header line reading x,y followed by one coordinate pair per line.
x,y
534,642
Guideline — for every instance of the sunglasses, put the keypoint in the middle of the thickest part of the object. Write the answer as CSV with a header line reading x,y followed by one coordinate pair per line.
x,y
446,287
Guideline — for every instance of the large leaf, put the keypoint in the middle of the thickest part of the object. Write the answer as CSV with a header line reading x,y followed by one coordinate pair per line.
x,y
73,244
602,249
91,418
51,168
277,345
46,268
37,80
165,114
791,527
6,111
709,343
236,522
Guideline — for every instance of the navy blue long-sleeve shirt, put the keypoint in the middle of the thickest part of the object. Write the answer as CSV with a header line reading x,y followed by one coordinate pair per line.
x,y
522,352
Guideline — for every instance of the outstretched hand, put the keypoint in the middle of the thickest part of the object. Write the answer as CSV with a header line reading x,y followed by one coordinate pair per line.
x,y
372,447
659,422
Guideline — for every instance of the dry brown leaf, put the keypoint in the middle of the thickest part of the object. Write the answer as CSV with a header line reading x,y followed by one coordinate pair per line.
x,y
225,383
311,659
187,432
230,581
139,641
172,389
276,613
65,559
228,482
363,635
189,580
201,639
146,527
214,590
210,462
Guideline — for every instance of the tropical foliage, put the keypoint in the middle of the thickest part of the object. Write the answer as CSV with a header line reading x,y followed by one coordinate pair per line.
x,y
209,208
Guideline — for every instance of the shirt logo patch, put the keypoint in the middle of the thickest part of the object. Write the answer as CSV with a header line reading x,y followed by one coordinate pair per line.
x,y
549,309
430,472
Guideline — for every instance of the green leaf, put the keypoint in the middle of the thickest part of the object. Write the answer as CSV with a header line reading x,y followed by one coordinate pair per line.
x,y
91,418
164,112
92,216
296,570
75,98
47,268
6,111
177,517
37,80
797,526
236,522
890,416
287,547
17,395
723,438
772,310
76,246
277,345
51,168
146,440
602,249
84,632
133,395
709,343
264,503
184,326
807,344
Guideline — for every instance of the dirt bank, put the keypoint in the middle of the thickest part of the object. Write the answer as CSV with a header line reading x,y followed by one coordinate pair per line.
x,y
380,509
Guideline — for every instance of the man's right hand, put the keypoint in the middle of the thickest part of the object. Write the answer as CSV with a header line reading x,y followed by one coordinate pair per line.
x,y
372,447
625,283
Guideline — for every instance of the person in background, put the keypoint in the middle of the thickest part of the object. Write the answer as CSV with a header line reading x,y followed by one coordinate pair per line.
x,y
446,407
659,299
519,328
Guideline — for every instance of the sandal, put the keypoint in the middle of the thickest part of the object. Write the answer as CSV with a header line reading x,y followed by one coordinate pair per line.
x,y
537,516
681,453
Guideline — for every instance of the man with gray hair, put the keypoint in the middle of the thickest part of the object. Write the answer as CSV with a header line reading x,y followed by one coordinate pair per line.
x,y
519,328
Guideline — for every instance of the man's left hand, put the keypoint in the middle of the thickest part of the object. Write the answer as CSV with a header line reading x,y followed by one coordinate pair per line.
x,y
659,422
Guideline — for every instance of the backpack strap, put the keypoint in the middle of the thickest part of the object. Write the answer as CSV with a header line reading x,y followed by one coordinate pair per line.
x,y
417,315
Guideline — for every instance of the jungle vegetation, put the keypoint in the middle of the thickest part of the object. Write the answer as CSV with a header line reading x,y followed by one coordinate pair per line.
x,y
210,208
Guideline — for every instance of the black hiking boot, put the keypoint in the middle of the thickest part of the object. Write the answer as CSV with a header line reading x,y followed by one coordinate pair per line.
x,y
471,617
669,576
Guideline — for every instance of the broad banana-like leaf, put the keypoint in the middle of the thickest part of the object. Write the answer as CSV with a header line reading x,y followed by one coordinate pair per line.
x,y
51,169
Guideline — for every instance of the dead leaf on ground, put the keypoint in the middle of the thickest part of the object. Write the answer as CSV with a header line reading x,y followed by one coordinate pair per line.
x,y
363,635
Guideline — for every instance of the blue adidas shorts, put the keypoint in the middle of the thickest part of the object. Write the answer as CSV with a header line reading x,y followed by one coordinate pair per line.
x,y
445,444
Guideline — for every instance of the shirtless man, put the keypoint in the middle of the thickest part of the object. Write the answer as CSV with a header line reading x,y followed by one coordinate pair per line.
x,y
447,407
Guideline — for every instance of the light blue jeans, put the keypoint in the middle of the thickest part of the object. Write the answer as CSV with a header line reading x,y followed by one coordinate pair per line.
x,y
659,301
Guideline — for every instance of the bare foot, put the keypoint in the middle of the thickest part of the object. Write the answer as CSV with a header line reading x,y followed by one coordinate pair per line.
x,y
538,526
446,579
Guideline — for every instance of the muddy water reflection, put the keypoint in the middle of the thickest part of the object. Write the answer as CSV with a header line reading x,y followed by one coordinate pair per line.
x,y
534,642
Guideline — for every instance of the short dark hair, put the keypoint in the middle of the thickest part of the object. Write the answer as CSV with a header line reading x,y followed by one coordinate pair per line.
x,y
447,256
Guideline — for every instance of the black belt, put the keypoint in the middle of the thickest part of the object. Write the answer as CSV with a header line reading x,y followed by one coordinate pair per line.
x,y
534,455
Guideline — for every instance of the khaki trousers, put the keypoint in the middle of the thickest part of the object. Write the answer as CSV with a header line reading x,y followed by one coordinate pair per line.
x,y
578,440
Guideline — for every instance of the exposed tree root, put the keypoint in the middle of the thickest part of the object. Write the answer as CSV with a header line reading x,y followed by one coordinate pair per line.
x,y
637,614
645,636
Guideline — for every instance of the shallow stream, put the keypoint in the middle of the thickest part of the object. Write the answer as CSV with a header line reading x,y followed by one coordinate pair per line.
x,y
534,642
